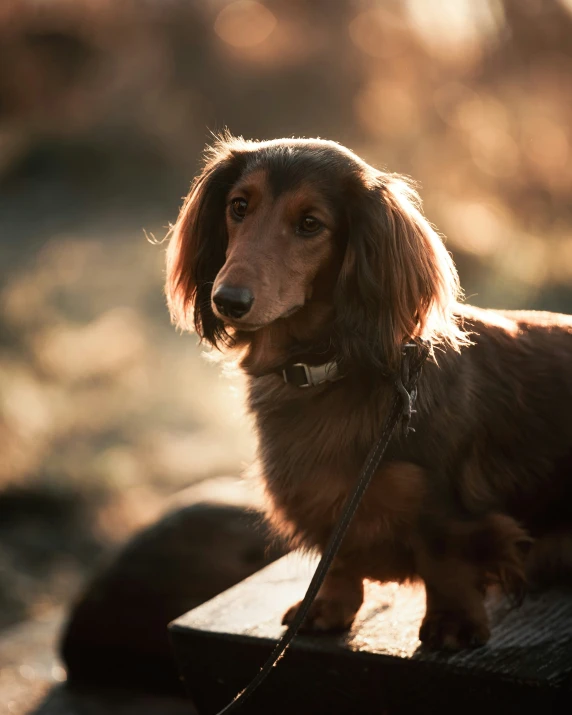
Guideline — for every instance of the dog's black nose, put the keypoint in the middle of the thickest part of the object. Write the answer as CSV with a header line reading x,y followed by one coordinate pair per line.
x,y
233,302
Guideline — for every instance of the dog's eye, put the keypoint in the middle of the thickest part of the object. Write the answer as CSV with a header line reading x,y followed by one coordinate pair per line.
x,y
310,225
239,207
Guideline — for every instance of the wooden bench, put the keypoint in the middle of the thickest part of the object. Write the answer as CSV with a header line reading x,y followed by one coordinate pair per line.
x,y
379,666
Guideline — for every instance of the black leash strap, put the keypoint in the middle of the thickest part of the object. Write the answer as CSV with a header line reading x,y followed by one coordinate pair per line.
x,y
401,407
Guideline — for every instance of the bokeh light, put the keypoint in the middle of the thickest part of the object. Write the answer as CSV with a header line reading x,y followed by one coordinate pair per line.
x,y
244,23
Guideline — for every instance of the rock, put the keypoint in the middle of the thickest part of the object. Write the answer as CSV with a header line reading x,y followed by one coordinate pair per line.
x,y
117,632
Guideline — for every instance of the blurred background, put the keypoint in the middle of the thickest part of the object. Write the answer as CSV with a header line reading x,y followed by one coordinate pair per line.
x,y
104,109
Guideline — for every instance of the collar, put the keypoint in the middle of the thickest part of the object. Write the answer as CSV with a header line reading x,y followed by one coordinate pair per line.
x,y
302,375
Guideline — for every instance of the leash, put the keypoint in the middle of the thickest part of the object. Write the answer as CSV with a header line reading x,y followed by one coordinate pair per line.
x,y
401,408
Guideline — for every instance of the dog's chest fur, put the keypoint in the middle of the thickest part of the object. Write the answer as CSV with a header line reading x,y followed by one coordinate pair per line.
x,y
312,445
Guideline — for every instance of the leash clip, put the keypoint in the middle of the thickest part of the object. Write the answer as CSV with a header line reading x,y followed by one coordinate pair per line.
x,y
401,379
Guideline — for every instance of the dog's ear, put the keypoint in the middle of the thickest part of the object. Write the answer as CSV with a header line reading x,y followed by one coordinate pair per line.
x,y
397,281
198,244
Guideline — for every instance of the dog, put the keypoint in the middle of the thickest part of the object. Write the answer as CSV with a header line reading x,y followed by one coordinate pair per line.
x,y
314,268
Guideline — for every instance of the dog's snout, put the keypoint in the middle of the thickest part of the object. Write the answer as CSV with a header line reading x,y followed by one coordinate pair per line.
x,y
233,302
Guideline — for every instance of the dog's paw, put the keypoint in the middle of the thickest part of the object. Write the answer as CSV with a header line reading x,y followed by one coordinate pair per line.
x,y
325,615
451,630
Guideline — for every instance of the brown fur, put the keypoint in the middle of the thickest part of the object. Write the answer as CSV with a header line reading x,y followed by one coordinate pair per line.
x,y
488,469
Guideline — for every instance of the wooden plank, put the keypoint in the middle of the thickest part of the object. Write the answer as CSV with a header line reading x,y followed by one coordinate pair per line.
x,y
379,666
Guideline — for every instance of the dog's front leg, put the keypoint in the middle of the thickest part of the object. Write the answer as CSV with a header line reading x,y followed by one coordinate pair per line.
x,y
456,569
455,616
337,602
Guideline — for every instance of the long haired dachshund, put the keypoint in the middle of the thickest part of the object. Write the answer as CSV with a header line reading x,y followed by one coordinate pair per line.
x,y
316,268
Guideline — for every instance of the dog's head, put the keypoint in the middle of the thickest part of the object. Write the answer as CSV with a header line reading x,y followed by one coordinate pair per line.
x,y
270,229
